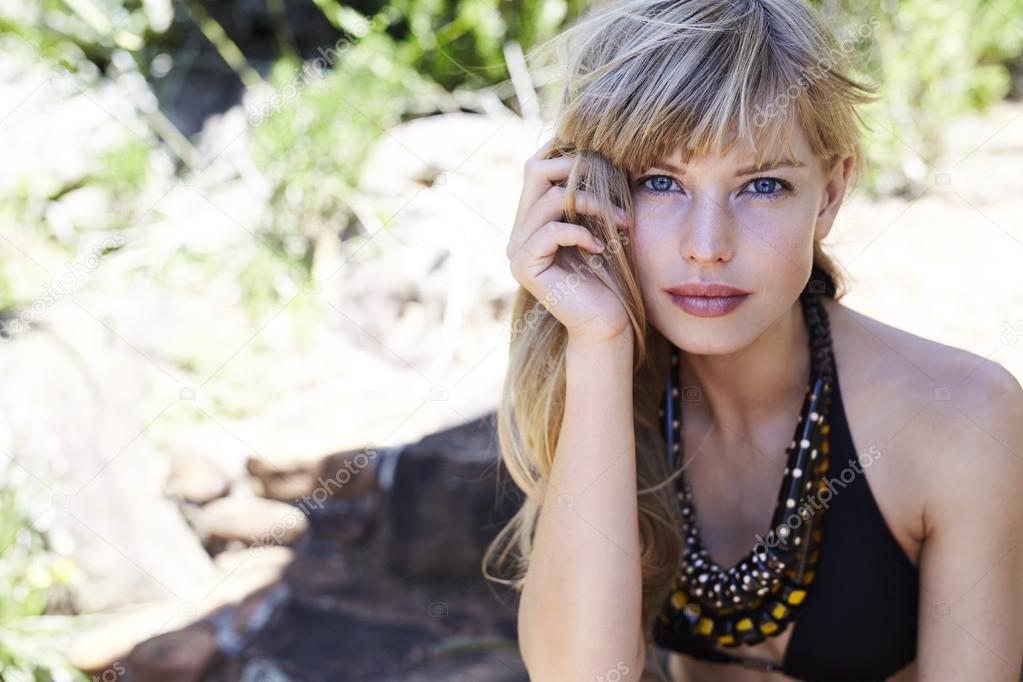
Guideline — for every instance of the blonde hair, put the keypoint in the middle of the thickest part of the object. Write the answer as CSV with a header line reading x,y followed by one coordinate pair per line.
x,y
640,79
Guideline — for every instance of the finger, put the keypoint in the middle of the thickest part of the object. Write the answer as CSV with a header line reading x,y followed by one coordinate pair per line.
x,y
537,253
553,205
540,175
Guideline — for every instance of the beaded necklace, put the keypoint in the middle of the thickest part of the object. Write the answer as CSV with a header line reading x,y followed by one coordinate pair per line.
x,y
759,596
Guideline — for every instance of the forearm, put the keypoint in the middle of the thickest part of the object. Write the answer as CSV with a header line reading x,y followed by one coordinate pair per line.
x,y
580,610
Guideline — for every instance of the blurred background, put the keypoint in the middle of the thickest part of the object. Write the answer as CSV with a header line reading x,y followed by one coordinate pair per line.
x,y
254,311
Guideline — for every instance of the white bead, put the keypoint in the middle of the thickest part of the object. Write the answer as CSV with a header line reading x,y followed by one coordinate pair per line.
x,y
814,416
804,443
796,473
790,503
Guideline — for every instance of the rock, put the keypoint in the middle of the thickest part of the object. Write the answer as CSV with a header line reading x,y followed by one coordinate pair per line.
x,y
268,558
246,571
179,656
338,475
284,485
350,473
249,521
196,478
347,522
442,511
260,670
343,644
106,643
99,481
245,580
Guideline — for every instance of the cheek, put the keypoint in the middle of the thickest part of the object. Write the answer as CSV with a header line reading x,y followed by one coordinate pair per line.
x,y
654,224
651,234
786,228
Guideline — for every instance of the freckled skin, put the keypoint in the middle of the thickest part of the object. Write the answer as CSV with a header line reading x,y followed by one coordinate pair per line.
x,y
755,234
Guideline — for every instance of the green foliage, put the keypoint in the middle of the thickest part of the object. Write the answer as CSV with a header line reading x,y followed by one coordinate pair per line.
x,y
28,572
122,170
933,61
311,137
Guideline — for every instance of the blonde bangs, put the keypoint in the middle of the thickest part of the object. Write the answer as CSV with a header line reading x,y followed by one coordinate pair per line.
x,y
648,80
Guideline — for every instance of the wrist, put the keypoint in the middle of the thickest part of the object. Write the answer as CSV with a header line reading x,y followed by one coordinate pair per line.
x,y
619,345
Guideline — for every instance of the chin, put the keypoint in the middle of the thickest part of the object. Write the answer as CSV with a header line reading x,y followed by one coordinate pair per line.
x,y
707,336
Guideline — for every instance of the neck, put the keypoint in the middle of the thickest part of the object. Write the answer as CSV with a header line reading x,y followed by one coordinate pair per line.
x,y
740,390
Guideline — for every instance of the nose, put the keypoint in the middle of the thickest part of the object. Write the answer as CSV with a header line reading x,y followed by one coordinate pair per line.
x,y
707,234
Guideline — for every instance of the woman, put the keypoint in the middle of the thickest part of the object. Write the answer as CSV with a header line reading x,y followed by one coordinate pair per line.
x,y
841,502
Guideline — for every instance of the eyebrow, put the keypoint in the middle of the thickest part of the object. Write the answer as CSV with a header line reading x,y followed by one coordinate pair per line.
x,y
749,170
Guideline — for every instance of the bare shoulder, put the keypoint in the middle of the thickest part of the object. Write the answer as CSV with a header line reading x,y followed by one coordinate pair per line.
x,y
943,412
909,360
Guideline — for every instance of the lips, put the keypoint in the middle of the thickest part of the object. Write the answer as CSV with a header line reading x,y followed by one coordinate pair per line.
x,y
711,289
707,299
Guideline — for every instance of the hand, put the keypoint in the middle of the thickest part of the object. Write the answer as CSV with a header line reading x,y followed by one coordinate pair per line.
x,y
575,297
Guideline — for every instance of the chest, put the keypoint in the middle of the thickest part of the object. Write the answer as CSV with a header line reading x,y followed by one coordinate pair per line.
x,y
736,479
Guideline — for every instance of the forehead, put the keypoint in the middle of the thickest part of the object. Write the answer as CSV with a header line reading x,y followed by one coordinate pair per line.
x,y
771,145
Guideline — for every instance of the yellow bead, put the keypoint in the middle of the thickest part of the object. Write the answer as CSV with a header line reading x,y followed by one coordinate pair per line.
x,y
704,626
678,599
796,597
779,611
768,627
808,578
826,428
725,640
825,447
744,625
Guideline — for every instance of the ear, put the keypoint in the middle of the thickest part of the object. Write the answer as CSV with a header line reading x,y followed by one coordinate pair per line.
x,y
831,199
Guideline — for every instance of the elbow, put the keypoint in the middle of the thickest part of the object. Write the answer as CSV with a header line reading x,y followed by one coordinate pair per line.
x,y
556,664
565,669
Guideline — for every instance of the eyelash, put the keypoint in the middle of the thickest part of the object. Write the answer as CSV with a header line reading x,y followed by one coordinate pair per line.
x,y
767,196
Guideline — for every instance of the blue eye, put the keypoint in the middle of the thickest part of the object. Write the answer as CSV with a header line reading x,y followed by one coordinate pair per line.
x,y
768,188
657,184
